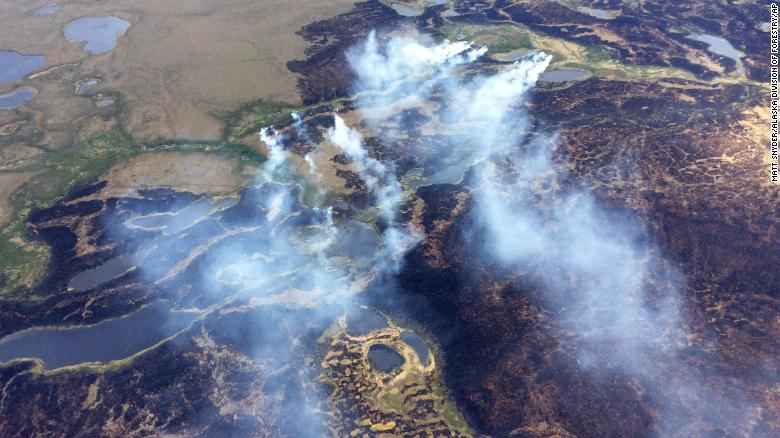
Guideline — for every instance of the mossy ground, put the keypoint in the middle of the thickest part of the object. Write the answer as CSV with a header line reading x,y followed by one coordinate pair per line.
x,y
22,260
598,60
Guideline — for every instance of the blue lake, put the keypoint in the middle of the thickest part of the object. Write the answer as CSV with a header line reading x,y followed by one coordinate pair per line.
x,y
105,341
99,33
16,97
14,66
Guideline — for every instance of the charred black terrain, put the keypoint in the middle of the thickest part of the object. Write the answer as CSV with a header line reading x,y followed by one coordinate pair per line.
x,y
684,156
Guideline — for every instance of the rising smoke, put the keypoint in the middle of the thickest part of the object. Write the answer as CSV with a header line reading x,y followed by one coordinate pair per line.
x,y
600,267
596,264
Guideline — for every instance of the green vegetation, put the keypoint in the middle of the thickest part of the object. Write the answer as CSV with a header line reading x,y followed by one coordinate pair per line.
x,y
521,42
599,60
22,262
597,53
498,38
254,116
446,408
76,165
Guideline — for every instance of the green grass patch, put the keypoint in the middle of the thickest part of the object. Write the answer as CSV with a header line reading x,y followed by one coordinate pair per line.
x,y
498,38
254,116
597,53
446,408
73,166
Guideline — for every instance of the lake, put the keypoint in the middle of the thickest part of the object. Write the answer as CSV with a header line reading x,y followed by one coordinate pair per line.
x,y
15,66
16,97
99,33
562,75
105,341
384,358
418,345
721,46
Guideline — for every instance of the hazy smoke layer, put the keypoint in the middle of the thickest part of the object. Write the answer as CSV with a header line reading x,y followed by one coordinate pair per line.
x,y
597,266
600,268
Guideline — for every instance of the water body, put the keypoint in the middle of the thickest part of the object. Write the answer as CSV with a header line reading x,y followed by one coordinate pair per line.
x,y
408,11
165,222
562,75
108,340
418,345
86,86
512,55
362,321
99,33
599,13
721,46
16,97
384,358
104,102
109,270
48,9
15,66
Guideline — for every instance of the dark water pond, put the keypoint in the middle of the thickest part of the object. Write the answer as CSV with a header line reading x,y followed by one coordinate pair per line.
x,y
562,75
721,46
86,86
362,321
384,358
104,102
109,270
99,33
15,66
16,97
418,345
108,340
408,11
48,9
599,13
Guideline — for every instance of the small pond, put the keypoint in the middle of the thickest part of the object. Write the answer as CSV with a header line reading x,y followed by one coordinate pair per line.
x,y
103,102
15,66
384,358
16,97
362,321
109,270
48,9
418,345
85,86
602,14
562,75
99,33
721,46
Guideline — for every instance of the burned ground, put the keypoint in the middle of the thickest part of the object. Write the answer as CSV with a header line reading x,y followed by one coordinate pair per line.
x,y
684,156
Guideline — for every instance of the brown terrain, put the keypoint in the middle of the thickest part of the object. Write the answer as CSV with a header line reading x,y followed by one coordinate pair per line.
x,y
660,130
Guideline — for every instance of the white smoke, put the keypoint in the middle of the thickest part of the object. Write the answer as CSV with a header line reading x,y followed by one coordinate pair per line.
x,y
594,264
615,292
300,126
277,156
378,178
403,71
383,183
